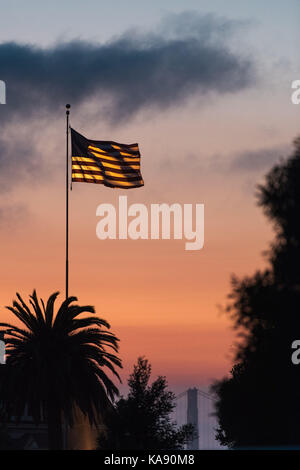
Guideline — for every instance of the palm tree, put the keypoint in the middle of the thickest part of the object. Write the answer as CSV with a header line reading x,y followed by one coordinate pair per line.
x,y
56,363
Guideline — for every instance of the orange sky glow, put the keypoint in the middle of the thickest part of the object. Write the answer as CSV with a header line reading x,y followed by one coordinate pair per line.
x,y
162,301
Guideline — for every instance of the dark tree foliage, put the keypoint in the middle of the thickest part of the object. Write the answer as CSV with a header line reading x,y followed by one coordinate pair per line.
x,y
56,362
142,420
259,404
6,442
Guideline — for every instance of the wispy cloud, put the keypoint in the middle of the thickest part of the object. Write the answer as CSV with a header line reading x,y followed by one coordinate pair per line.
x,y
258,160
12,216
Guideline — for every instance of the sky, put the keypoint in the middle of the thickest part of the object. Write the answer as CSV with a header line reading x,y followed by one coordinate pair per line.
x,y
204,88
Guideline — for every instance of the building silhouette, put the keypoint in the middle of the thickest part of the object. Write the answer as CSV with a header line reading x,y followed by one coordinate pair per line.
x,y
25,434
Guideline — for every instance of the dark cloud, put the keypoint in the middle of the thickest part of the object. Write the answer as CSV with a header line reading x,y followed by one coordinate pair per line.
x,y
258,160
250,163
208,28
18,162
187,55
21,162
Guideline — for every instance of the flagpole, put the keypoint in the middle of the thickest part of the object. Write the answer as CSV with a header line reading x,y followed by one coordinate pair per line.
x,y
68,106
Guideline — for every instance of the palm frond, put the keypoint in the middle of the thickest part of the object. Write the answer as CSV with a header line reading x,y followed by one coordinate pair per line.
x,y
86,322
27,321
49,308
10,327
62,310
75,310
61,358
34,301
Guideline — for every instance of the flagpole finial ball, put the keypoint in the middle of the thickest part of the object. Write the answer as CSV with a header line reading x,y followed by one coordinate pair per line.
x,y
68,106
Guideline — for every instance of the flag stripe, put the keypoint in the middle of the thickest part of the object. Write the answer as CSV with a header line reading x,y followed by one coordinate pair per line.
x,y
106,183
94,157
113,159
110,148
101,166
92,169
120,167
85,176
115,153
114,177
121,156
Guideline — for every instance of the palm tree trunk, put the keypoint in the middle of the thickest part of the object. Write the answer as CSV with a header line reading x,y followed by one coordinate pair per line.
x,y
55,435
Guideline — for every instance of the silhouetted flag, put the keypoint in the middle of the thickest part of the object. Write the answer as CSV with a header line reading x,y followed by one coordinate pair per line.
x,y
104,162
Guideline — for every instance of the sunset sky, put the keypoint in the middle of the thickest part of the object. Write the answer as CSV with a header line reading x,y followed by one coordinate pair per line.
x,y
204,88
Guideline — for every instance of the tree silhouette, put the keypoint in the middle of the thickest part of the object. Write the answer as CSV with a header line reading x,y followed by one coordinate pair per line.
x,y
56,363
258,405
6,442
142,420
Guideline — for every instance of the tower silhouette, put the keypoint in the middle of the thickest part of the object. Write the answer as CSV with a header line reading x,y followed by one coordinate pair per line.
x,y
192,416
